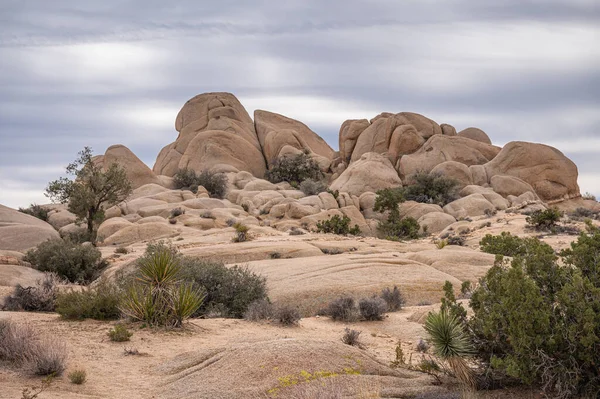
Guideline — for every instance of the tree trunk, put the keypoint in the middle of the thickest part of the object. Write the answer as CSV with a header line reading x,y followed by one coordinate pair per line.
x,y
90,226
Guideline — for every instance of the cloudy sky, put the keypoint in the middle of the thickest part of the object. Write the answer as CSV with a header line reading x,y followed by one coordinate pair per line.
x,y
76,73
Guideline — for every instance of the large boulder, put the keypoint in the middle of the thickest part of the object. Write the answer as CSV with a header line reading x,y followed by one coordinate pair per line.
x,y
137,172
510,185
394,135
371,172
216,133
20,232
552,175
471,205
456,171
476,134
349,132
277,134
439,149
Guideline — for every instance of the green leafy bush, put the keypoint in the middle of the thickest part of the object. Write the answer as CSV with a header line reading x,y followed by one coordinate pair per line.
x,y
78,263
294,169
100,302
214,183
394,227
431,188
337,225
229,290
544,220
538,321
119,333
40,297
313,187
37,211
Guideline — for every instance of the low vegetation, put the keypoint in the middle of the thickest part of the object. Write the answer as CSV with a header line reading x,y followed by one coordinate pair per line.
x,y
214,183
100,302
40,297
372,308
393,298
313,187
23,347
78,263
536,318
287,315
544,220
119,333
37,211
78,376
352,337
337,225
394,227
294,169
241,232
431,188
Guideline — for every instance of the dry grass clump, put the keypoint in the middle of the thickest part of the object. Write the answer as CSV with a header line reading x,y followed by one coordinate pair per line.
x,y
352,337
22,346
259,310
78,376
39,297
119,333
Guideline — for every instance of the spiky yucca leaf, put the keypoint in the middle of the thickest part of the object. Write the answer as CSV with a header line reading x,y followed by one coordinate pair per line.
x,y
160,270
451,343
186,300
139,304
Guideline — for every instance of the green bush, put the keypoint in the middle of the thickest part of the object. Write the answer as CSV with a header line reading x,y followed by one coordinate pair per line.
x,y
538,321
119,333
37,211
394,227
431,188
229,290
337,225
214,183
544,220
78,263
159,295
40,297
294,169
100,302
313,187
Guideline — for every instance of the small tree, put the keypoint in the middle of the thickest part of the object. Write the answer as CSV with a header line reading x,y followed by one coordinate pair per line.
x,y
93,189
394,227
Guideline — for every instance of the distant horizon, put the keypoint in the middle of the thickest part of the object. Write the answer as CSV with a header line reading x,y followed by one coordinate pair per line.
x,y
89,74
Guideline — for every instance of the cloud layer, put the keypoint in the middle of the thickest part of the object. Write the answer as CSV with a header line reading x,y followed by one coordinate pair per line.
x,y
88,73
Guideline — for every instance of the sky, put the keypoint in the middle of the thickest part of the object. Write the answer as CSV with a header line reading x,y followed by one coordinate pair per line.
x,y
89,73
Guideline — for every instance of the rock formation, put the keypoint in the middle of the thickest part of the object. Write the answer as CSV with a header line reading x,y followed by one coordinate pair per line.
x,y
20,232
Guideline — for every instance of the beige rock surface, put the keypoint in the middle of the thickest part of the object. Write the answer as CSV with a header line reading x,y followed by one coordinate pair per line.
x,y
137,172
552,175
476,134
20,232
370,173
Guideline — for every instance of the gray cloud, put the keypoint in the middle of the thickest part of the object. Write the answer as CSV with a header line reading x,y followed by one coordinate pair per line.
x,y
89,73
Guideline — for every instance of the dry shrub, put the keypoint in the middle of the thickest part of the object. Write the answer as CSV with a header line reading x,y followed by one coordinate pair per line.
x,y
287,315
78,376
372,308
352,337
39,297
259,310
49,357
342,309
393,298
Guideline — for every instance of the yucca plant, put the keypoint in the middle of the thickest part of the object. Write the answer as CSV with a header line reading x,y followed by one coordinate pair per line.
x,y
158,297
451,344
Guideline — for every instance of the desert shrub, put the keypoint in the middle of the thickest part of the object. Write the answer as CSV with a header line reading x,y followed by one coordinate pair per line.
x,y
342,309
456,240
422,346
294,169
584,213
372,308
40,297
394,227
335,193
393,298
294,231
337,225
261,309
121,250
119,333
228,289
214,183
589,196
537,321
441,243
431,188
160,296
287,315
351,337
50,357
313,187
100,302
78,376
509,245
176,212
544,220
78,263
37,211
241,232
